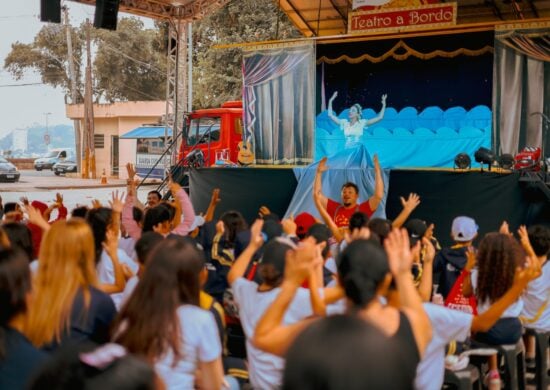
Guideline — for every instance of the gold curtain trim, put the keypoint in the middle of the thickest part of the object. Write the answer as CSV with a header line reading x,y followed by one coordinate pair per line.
x,y
408,52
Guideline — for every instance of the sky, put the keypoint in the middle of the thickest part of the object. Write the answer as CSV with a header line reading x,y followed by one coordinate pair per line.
x,y
25,106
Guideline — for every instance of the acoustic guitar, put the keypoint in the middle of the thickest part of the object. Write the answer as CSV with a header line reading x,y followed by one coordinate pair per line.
x,y
245,155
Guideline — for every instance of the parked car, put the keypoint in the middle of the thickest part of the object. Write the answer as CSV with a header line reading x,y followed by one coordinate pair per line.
x,y
64,167
51,158
8,171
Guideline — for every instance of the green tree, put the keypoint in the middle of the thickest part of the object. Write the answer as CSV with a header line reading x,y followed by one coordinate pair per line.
x,y
47,55
217,73
129,63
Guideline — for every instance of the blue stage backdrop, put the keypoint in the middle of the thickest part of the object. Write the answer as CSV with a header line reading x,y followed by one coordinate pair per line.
x,y
439,98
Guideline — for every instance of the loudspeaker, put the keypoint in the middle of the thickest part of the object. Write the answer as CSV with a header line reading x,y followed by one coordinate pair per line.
x,y
50,11
106,12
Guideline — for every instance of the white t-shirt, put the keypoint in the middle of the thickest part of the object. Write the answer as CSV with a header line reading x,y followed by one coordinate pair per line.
x,y
106,271
265,369
128,245
200,343
535,296
514,310
447,325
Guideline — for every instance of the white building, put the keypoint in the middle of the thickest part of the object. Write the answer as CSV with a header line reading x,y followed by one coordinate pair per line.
x,y
19,139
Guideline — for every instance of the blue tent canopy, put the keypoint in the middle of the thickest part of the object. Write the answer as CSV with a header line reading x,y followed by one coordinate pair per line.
x,y
147,132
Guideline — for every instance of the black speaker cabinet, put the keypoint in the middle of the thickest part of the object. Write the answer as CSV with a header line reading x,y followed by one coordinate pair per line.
x,y
50,11
106,12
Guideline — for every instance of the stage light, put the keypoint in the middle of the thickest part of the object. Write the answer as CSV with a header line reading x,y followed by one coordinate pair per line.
x,y
484,156
463,161
506,161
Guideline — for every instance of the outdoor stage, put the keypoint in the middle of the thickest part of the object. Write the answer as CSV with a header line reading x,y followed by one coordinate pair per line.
x,y
488,197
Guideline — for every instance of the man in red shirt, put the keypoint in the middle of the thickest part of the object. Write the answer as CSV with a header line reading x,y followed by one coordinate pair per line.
x,y
342,212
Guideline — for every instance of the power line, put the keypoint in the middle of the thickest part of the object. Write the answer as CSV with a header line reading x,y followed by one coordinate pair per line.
x,y
19,85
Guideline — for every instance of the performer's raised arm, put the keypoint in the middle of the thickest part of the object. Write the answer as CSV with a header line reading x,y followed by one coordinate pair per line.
x,y
318,196
380,115
331,115
378,195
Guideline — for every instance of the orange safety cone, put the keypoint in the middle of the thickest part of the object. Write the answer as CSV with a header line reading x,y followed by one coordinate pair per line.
x,y
103,177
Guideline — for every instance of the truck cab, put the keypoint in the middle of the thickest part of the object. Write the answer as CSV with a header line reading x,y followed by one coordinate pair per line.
x,y
212,136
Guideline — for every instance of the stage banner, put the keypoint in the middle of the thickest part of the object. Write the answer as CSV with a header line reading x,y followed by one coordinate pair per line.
x,y
399,19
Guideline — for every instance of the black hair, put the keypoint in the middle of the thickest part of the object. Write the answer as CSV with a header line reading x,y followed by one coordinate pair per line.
x,y
137,214
67,371
349,184
10,206
539,236
362,266
337,352
321,233
382,228
158,194
20,236
79,212
99,220
145,244
154,216
358,220
234,223
15,283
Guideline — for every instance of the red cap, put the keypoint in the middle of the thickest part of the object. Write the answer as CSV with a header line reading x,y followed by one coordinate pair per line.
x,y
303,222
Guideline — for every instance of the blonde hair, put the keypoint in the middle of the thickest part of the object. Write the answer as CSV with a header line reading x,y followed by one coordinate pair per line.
x,y
66,265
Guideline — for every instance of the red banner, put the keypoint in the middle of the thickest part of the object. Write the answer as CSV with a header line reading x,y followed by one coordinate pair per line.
x,y
432,15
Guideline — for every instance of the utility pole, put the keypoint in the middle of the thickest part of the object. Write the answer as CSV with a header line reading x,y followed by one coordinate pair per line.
x,y
74,91
89,110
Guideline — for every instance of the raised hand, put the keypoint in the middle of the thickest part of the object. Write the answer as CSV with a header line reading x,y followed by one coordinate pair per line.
x,y
174,187
35,217
384,97
376,162
215,199
530,271
58,200
429,253
256,237
116,202
411,202
322,167
300,263
131,171
263,211
524,240
96,204
400,257
471,259
505,228
24,200
289,226
334,95
220,227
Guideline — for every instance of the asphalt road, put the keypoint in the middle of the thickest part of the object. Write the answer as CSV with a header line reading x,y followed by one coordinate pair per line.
x,y
45,184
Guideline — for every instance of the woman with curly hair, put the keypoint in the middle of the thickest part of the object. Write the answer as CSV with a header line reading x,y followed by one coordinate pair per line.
x,y
498,257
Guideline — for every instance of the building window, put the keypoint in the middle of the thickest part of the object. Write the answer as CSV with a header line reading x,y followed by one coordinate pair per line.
x,y
99,141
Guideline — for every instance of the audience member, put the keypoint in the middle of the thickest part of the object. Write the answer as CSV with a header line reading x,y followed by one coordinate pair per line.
x,y
18,357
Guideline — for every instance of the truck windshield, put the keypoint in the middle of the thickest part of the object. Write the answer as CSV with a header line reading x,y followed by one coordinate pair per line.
x,y
51,154
203,130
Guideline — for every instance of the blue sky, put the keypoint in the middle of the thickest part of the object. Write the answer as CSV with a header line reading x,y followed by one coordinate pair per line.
x,y
24,106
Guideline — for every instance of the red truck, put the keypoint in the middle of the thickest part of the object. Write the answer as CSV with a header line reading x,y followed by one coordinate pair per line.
x,y
215,135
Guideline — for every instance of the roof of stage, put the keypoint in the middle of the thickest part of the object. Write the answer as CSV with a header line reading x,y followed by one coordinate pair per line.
x,y
316,18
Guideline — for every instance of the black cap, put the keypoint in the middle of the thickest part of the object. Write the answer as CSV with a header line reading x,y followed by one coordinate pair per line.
x,y
275,252
416,229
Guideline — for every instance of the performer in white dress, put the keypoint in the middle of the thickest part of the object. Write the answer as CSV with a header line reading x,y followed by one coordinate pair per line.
x,y
353,128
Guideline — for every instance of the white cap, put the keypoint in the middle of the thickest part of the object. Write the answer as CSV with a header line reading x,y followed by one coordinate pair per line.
x,y
464,229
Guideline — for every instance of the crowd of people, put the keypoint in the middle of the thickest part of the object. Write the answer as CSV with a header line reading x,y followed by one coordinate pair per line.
x,y
155,295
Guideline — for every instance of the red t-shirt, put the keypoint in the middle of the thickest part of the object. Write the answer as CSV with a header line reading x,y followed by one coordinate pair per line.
x,y
341,214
